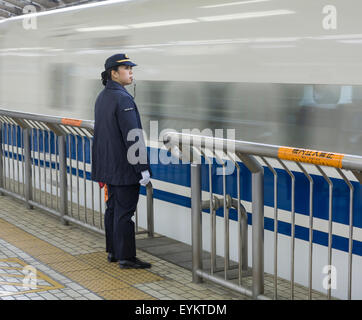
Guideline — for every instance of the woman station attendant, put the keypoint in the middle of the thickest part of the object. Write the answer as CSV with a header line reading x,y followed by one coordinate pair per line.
x,y
119,160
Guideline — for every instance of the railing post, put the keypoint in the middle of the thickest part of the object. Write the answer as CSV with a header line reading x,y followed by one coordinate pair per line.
x,y
63,206
196,220
258,232
28,175
257,222
150,215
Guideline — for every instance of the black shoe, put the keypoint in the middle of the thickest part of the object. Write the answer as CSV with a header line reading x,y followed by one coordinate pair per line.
x,y
111,258
143,263
134,263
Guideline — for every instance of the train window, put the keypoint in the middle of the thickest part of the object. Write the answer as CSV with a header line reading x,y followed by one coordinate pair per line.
x,y
329,94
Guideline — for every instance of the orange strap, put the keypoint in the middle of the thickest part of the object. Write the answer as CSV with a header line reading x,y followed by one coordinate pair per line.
x,y
105,193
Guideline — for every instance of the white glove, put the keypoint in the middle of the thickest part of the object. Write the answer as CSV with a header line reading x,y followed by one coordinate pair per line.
x,y
145,178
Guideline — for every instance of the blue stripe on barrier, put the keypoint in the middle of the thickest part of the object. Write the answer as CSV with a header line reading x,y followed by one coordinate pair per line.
x,y
302,233
180,174
13,138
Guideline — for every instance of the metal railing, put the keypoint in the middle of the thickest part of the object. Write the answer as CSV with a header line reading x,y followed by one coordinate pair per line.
x,y
45,161
194,148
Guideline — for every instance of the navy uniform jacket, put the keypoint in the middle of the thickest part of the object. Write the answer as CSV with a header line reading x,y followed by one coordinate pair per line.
x,y
115,115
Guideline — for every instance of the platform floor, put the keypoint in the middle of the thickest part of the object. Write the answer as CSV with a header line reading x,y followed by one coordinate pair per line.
x,y
71,264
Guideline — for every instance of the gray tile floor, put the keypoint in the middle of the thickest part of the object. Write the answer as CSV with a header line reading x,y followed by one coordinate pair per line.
x,y
80,241
181,254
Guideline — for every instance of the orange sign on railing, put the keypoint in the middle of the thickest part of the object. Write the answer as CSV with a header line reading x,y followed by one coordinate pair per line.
x,y
311,156
72,122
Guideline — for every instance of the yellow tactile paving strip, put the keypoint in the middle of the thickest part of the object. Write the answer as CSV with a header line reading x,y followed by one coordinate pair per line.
x,y
126,294
92,270
130,276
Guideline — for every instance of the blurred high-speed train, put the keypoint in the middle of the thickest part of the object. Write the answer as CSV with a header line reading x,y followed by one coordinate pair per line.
x,y
284,72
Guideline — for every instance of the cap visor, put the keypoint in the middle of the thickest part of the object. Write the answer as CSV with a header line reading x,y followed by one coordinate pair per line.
x,y
128,63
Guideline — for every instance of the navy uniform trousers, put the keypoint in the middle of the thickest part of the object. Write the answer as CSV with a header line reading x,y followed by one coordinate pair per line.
x,y
120,229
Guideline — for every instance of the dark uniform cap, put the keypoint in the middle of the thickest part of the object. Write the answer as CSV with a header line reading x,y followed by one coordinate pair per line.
x,y
117,60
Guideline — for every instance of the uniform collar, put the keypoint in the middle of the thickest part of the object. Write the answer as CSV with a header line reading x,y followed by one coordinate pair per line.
x,y
113,85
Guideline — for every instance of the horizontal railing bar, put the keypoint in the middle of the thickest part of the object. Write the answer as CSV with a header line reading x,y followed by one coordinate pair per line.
x,y
229,285
82,224
46,118
42,207
56,213
12,194
326,158
347,161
